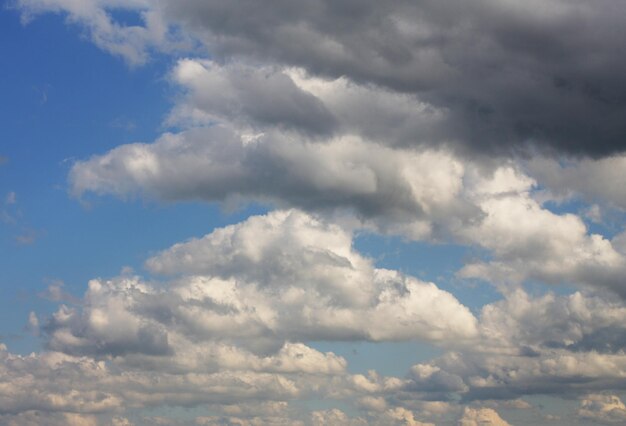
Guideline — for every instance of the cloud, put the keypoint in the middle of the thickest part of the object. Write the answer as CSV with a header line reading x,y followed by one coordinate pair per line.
x,y
254,96
397,416
272,279
12,215
432,195
36,418
219,164
481,417
527,241
257,98
33,323
591,180
399,118
531,345
59,384
602,408
229,327
28,236
131,42
523,346
314,145
503,70
546,75
251,143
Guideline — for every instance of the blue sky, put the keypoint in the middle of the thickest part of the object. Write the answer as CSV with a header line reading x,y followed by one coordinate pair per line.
x,y
216,214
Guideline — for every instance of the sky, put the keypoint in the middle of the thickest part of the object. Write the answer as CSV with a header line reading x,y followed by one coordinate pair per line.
x,y
312,213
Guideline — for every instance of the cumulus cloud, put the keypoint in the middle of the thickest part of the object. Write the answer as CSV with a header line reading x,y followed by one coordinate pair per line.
x,y
134,343
602,408
219,164
282,137
417,194
528,241
379,116
230,327
531,345
256,97
62,385
272,279
481,417
335,417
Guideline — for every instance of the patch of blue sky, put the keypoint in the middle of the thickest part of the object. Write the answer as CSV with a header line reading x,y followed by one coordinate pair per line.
x,y
387,358
600,218
126,17
62,105
77,245
433,262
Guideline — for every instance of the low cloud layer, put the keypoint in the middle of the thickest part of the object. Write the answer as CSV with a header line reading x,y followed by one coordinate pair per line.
x,y
228,328
232,325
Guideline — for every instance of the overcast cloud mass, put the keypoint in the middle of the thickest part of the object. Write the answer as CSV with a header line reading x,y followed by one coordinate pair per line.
x,y
493,127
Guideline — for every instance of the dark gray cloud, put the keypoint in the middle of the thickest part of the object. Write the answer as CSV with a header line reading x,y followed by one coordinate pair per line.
x,y
539,75
546,74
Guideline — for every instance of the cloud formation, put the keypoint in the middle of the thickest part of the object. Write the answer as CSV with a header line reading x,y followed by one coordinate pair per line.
x,y
532,345
400,118
546,75
270,280
481,417
228,328
422,195
604,408
233,322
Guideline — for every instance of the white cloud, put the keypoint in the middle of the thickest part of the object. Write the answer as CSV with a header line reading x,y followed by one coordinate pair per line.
x,y
131,42
409,190
481,417
532,345
374,123
227,327
281,277
57,383
528,241
256,140
393,417
420,195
